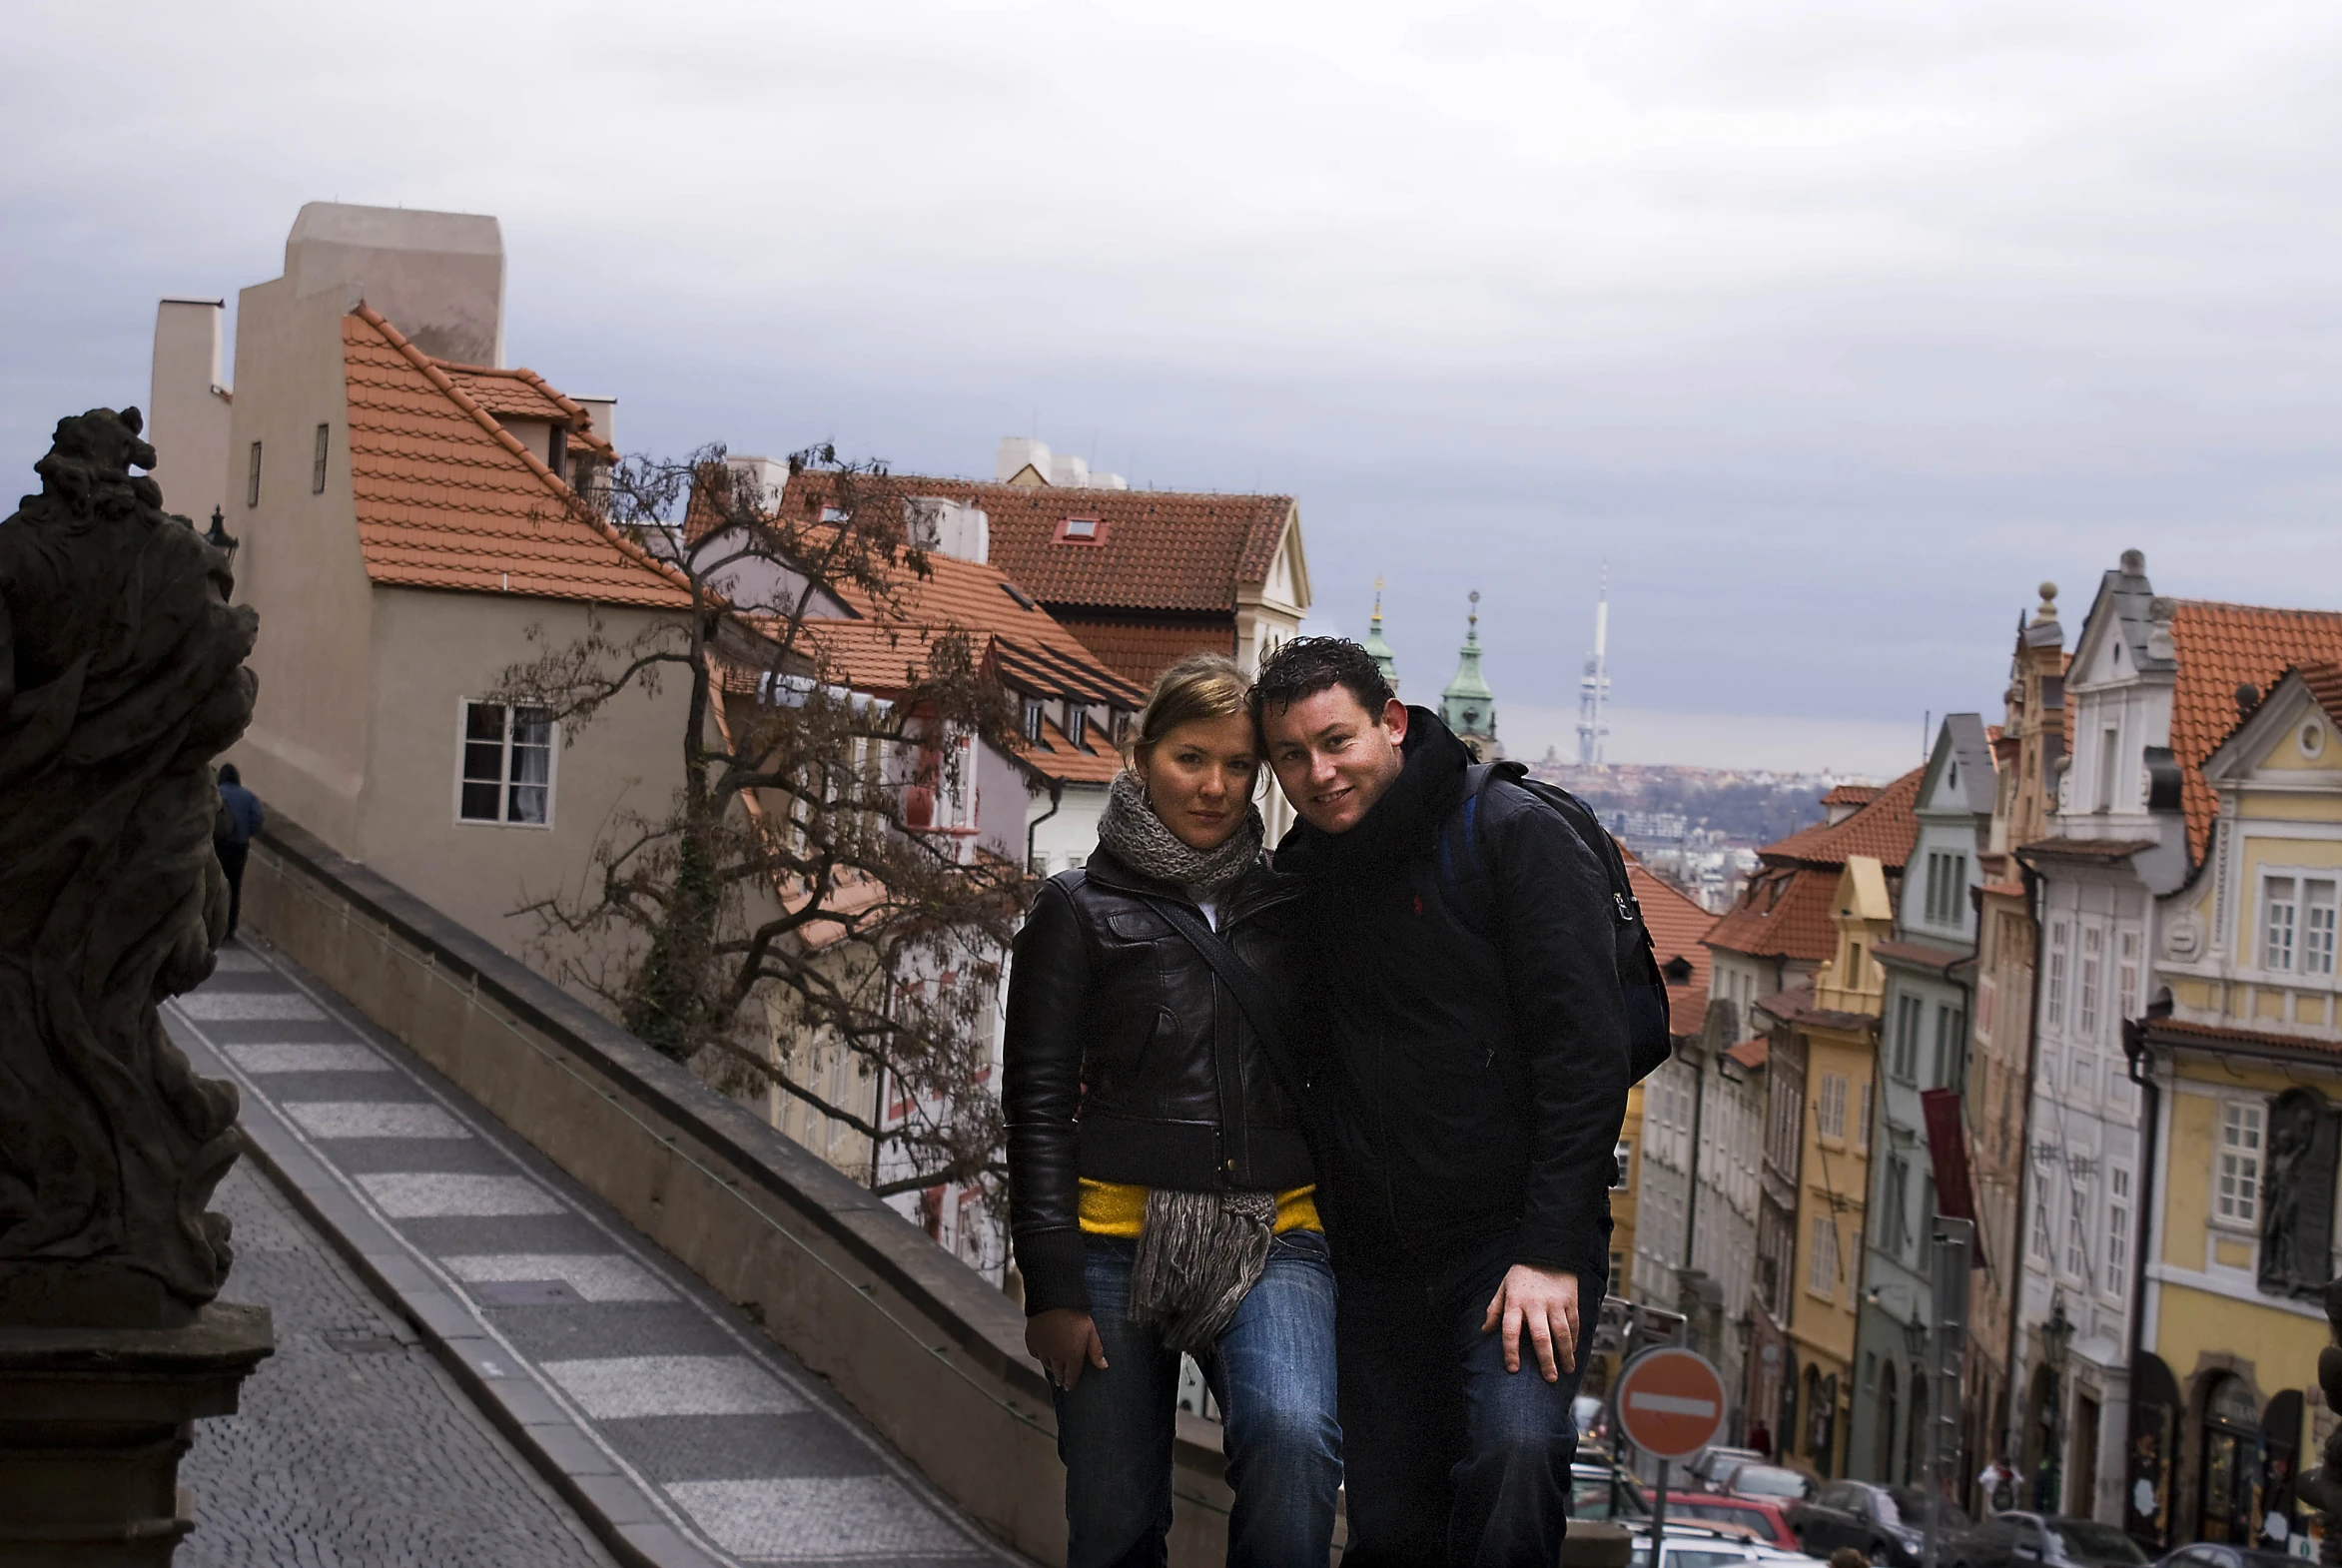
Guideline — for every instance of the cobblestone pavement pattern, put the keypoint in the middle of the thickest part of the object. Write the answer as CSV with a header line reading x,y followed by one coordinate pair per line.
x,y
743,1452
352,1449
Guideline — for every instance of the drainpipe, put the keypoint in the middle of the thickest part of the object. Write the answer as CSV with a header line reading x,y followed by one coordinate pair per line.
x,y
1057,798
2142,1208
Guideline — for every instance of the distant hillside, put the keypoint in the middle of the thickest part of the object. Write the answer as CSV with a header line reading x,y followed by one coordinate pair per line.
x,y
1716,806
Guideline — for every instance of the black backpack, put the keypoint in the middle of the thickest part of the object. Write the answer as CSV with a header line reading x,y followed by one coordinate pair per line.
x,y
1649,1042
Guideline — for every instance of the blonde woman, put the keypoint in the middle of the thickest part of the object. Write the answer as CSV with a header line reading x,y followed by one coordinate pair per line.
x,y
1160,1182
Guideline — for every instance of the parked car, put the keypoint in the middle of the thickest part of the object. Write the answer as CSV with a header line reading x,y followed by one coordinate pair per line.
x,y
1705,1546
1765,1519
1599,1489
1708,1463
1592,1414
1885,1523
1753,1479
2032,1540
2210,1554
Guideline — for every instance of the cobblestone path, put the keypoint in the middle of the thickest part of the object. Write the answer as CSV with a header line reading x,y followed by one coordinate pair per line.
x,y
352,1449
674,1398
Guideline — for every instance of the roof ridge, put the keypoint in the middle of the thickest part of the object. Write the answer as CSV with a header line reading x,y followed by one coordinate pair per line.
x,y
487,422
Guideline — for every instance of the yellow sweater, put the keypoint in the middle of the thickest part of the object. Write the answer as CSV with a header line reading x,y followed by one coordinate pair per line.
x,y
1120,1208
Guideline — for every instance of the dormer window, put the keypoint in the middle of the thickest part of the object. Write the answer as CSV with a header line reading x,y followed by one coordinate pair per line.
x,y
1078,726
1079,530
833,515
1033,721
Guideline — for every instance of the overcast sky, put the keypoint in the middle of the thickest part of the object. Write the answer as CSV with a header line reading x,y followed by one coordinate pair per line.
x,y
1833,327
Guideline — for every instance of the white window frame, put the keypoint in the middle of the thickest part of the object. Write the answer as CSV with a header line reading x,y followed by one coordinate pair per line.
x,y
2077,1208
2091,990
1829,1107
2240,1145
1822,1257
1624,1154
2117,1280
2053,982
463,708
2308,926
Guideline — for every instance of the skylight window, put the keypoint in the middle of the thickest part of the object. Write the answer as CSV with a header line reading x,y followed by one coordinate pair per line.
x,y
1080,531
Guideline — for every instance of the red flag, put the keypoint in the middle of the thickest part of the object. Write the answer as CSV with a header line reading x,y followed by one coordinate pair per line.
x,y
1947,1148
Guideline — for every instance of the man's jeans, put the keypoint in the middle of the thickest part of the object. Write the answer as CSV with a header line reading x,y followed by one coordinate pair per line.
x,y
1272,1373
1451,1459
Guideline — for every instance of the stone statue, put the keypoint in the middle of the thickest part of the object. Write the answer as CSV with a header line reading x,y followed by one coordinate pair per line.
x,y
2321,1488
121,677
2297,1201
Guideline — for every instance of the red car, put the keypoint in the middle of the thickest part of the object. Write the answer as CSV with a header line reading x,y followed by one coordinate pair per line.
x,y
1762,1517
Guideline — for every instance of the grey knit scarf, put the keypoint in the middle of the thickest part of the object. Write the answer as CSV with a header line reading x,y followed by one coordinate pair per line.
x,y
1200,1254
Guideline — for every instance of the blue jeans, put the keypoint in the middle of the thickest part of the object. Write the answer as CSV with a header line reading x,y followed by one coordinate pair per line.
x,y
1451,1459
1272,1373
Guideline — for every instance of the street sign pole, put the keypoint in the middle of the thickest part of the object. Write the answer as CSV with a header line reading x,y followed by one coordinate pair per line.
x,y
1669,1403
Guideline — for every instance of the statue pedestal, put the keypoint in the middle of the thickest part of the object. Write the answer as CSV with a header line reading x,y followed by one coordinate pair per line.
x,y
92,1424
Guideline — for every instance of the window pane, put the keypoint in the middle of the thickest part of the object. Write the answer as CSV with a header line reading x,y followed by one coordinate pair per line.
x,y
532,765
2317,928
2277,924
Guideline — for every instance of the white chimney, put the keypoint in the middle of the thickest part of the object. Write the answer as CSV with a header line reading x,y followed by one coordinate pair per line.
x,y
436,277
604,413
1070,471
767,475
187,408
950,529
1019,452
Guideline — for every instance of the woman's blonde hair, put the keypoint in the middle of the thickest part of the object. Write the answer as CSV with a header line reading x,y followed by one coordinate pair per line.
x,y
1200,686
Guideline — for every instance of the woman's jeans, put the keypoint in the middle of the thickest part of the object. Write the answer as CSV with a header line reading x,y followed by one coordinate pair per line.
x,y
1272,1373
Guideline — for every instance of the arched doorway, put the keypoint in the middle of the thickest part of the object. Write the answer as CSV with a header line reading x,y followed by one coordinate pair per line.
x,y
2228,1466
1888,1406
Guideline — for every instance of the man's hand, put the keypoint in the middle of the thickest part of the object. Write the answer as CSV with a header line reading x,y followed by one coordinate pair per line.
x,y
1542,1300
1064,1337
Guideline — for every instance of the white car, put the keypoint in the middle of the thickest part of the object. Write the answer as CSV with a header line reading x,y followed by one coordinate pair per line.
x,y
1693,1547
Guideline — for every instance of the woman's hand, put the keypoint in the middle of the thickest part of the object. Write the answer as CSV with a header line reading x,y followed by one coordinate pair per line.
x,y
1061,1340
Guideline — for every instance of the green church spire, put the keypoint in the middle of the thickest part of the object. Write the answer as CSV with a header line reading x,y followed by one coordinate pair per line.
x,y
1384,660
1468,705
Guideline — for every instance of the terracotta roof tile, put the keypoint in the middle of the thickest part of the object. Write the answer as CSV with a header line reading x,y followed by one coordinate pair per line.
x,y
2220,647
447,498
1851,794
2180,1031
1885,829
1751,1052
1677,926
1781,914
523,394
1158,550
1141,653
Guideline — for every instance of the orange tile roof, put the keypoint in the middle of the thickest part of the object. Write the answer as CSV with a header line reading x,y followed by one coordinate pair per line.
x,y
2220,647
1783,913
447,498
1885,829
1751,1052
1677,924
1138,651
1851,794
521,393
1158,550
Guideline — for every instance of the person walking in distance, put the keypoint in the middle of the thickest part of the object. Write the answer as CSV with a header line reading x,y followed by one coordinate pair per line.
x,y
1160,1183
231,836
1470,1084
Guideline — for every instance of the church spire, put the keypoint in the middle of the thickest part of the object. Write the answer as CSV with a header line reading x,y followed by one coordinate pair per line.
x,y
1467,706
1384,660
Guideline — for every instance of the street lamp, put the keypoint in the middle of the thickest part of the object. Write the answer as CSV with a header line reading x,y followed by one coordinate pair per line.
x,y
220,538
2056,1339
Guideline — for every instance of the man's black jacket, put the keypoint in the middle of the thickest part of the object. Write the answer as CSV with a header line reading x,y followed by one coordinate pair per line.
x,y
1125,1059
1470,1071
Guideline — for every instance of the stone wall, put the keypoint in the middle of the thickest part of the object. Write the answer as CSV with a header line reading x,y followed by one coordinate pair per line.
x,y
912,1338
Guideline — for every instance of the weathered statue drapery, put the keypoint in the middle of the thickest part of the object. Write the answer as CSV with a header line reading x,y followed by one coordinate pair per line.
x,y
121,677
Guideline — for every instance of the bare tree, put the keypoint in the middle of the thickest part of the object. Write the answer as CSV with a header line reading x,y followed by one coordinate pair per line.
x,y
794,892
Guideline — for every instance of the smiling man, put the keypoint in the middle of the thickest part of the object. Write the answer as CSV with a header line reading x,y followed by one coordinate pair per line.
x,y
1469,1083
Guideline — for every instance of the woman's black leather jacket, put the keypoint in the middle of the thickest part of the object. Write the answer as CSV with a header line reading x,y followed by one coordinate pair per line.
x,y
1127,1061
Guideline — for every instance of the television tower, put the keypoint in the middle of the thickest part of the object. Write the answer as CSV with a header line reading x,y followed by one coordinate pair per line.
x,y
1594,689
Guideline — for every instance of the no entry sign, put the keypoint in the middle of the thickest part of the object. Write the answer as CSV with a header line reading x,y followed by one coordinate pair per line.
x,y
1670,1403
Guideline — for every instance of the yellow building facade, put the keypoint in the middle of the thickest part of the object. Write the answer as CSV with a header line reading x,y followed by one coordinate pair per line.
x,y
1838,1031
2242,1052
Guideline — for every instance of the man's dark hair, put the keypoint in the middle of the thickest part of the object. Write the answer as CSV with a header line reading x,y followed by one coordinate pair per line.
x,y
1306,666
